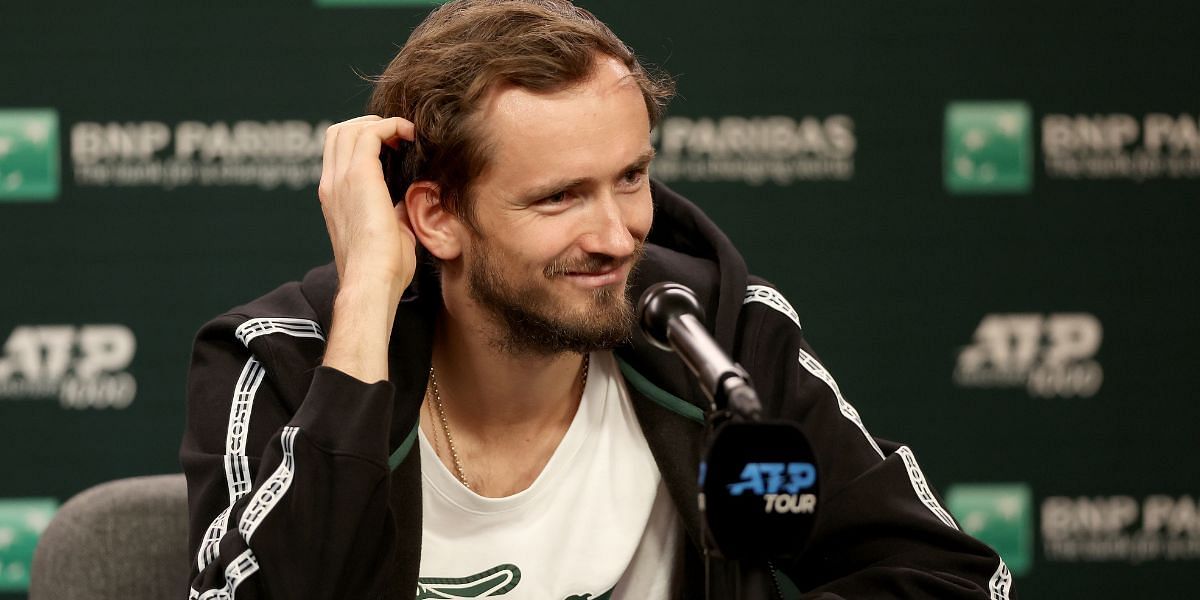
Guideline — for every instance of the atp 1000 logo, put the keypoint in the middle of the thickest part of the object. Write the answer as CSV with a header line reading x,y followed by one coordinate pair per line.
x,y
1049,355
83,366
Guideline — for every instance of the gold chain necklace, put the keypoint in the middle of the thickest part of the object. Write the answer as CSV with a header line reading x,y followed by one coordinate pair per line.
x,y
441,411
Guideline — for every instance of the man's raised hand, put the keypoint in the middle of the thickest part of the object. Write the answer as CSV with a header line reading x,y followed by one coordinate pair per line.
x,y
373,245
372,241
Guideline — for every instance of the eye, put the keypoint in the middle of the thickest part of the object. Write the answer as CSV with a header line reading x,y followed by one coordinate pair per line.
x,y
557,198
633,177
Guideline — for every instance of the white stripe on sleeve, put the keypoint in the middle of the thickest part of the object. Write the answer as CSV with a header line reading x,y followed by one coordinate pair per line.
x,y
236,572
771,297
237,466
273,489
1000,583
294,327
818,370
921,487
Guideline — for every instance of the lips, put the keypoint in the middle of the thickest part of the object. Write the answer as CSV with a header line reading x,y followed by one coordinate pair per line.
x,y
599,278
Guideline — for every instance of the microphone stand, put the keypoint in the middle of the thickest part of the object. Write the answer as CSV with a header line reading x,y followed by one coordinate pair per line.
x,y
671,316
731,397
739,402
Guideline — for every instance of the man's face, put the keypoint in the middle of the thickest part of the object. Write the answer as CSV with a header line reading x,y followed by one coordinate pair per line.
x,y
562,211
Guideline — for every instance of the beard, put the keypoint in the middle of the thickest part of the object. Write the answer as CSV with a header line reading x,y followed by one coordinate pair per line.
x,y
532,320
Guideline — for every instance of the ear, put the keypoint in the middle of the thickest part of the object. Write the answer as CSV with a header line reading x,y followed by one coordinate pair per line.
x,y
439,231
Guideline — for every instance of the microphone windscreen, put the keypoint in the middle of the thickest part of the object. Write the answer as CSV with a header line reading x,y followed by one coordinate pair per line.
x,y
662,302
758,490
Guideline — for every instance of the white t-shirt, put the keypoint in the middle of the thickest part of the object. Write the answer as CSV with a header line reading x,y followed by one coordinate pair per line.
x,y
596,524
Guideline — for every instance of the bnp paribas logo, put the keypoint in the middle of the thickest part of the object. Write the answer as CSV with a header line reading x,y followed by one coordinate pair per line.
x,y
988,147
28,155
22,521
999,515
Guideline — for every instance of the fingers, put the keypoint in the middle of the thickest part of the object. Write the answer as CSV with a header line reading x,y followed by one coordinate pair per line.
x,y
369,142
340,140
358,142
332,134
371,135
403,129
343,148
368,240
329,156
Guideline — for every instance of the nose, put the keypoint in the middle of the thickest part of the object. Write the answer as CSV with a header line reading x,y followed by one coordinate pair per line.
x,y
615,226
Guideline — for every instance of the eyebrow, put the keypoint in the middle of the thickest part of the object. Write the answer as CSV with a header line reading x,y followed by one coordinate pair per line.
x,y
543,191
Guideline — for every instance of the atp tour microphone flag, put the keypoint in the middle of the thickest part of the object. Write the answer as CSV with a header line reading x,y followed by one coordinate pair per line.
x,y
758,490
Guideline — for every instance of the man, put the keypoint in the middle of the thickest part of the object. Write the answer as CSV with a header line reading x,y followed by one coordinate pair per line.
x,y
485,421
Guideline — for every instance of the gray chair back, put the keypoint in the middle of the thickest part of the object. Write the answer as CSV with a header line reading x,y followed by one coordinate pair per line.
x,y
124,539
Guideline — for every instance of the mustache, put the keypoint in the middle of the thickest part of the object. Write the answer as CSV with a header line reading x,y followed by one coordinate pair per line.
x,y
592,262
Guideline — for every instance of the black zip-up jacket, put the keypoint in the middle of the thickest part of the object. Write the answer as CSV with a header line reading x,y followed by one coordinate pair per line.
x,y
304,482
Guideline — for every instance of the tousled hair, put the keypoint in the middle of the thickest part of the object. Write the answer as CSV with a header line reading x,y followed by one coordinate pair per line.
x,y
462,51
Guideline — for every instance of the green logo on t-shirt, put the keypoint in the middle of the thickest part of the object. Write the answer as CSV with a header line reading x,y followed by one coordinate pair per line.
x,y
496,581
604,596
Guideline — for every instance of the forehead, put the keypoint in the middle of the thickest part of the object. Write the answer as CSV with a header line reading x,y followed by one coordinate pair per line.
x,y
587,130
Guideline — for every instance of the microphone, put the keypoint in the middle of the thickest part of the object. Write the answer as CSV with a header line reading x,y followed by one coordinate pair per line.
x,y
672,318
758,479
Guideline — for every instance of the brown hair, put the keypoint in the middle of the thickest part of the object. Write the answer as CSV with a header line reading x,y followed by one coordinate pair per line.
x,y
465,48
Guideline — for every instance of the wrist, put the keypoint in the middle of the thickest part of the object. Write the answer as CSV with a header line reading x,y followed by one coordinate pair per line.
x,y
363,314
371,286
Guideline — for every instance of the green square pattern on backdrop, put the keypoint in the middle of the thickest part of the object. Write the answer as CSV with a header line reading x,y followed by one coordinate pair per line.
x,y
1001,516
28,154
988,148
22,521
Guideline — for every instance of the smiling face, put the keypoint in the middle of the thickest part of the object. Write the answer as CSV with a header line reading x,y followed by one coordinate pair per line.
x,y
561,210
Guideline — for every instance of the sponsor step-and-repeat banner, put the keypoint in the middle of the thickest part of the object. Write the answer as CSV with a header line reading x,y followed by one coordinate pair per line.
x,y
165,156
986,217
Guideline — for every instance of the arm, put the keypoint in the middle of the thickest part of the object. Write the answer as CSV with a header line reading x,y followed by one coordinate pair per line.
x,y
288,484
373,244
281,498
881,530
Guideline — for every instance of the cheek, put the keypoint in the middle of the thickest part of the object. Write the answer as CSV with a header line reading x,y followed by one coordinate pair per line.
x,y
529,250
640,215
551,244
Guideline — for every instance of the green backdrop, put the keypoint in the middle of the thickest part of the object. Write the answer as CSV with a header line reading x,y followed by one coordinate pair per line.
x,y
984,214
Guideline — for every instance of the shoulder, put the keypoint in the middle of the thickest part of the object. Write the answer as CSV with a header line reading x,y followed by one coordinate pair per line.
x,y
297,307
283,331
762,300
